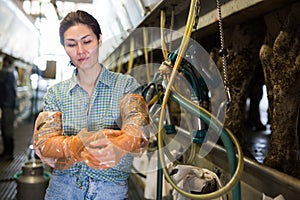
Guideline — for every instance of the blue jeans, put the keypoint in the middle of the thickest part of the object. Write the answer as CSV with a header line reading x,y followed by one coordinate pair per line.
x,y
63,187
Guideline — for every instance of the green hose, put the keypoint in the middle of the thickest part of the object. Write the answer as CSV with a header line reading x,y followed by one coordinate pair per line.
x,y
236,168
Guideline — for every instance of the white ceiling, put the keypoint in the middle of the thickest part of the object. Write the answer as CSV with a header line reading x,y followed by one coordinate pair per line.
x,y
115,18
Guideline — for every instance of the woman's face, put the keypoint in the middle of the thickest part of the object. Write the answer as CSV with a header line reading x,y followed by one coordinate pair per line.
x,y
82,46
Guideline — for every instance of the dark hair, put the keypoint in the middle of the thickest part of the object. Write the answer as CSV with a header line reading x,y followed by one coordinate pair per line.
x,y
8,59
77,17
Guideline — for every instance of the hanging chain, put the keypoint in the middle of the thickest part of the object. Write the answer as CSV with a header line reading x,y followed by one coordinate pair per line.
x,y
198,6
223,53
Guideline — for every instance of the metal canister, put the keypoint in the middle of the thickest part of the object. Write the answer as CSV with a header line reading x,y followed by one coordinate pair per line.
x,y
32,182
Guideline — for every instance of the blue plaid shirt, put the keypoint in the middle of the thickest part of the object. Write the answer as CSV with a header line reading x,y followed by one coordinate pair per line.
x,y
100,111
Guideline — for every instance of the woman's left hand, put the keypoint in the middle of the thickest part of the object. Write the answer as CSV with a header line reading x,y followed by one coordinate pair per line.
x,y
101,153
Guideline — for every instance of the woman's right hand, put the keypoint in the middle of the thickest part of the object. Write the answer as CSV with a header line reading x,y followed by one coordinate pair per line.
x,y
100,153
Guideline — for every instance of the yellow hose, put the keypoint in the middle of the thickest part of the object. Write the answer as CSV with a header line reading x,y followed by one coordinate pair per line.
x,y
113,58
162,28
131,55
145,34
120,63
183,47
153,100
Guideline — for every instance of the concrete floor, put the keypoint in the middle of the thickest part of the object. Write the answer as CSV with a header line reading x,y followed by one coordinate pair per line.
x,y
8,169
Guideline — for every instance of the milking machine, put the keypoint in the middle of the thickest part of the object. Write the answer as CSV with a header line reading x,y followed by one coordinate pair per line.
x,y
164,89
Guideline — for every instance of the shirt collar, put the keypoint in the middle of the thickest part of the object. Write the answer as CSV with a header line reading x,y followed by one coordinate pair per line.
x,y
73,80
103,78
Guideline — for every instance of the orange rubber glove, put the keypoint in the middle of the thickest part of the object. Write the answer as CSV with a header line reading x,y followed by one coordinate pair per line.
x,y
55,149
101,149
132,138
134,134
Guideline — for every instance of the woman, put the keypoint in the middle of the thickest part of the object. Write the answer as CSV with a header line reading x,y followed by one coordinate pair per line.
x,y
78,131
